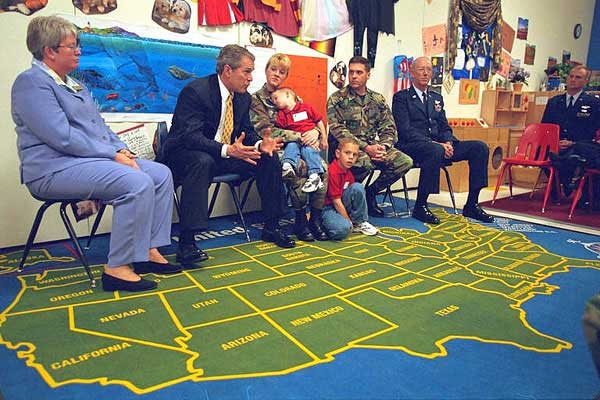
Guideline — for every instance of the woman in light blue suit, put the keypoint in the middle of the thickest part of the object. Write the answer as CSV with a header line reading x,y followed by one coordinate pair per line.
x,y
67,151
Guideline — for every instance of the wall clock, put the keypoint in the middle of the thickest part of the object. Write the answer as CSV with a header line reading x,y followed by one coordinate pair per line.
x,y
577,31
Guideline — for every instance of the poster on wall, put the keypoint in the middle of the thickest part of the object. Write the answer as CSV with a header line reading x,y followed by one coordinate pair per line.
x,y
508,36
504,66
523,28
529,58
566,56
26,7
260,35
402,72
469,91
338,74
473,53
434,39
91,7
172,15
437,76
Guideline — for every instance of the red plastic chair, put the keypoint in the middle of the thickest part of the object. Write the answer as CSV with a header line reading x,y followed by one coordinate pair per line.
x,y
588,175
537,142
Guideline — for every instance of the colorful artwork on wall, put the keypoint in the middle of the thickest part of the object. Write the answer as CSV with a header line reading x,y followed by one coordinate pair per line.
x,y
473,53
469,91
92,7
508,36
172,15
434,39
25,7
402,72
529,58
127,73
523,28
437,75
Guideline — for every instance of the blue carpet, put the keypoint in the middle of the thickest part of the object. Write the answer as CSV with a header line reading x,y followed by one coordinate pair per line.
x,y
471,369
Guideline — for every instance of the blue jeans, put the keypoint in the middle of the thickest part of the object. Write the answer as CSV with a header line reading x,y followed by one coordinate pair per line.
x,y
353,198
311,157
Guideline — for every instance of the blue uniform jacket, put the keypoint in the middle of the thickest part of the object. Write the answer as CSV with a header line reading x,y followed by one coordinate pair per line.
x,y
413,122
57,128
580,122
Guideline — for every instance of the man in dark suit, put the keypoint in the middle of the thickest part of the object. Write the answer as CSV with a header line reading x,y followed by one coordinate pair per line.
x,y
578,115
424,134
211,132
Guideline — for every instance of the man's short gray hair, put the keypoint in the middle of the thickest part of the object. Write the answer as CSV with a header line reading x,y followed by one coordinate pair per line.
x,y
232,55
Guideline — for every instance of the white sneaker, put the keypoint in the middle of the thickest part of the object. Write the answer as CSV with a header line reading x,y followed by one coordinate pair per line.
x,y
287,171
365,228
312,184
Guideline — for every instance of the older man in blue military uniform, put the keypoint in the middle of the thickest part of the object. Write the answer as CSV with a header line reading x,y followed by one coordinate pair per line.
x,y
578,115
424,134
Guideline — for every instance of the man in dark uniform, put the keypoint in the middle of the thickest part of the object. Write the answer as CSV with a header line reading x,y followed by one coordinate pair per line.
x,y
578,115
424,134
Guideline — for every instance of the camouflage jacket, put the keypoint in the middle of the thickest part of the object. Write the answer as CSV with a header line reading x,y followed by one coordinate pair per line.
x,y
367,119
263,115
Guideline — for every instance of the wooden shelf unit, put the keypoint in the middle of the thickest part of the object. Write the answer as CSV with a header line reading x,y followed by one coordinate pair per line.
x,y
504,108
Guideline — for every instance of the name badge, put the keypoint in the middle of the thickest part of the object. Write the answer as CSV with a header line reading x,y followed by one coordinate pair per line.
x,y
301,116
346,184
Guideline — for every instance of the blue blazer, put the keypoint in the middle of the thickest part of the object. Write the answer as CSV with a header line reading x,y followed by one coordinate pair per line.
x,y
580,122
57,128
412,122
197,115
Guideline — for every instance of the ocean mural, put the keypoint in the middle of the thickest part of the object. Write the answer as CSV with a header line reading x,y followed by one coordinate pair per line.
x,y
127,73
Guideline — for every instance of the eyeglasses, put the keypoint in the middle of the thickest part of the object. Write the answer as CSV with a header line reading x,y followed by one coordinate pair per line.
x,y
423,69
73,47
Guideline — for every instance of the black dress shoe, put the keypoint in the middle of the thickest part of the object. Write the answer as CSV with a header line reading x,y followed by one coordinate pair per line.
x,y
476,212
111,283
316,227
151,267
303,233
372,206
278,237
424,214
189,254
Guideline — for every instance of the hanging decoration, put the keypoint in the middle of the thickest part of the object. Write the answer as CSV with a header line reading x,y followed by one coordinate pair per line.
x,y
508,36
402,72
522,28
338,74
260,35
218,12
172,15
26,7
437,75
92,7
434,39
479,16
473,57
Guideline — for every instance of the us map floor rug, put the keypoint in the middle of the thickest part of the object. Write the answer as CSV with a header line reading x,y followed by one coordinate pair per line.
x,y
461,310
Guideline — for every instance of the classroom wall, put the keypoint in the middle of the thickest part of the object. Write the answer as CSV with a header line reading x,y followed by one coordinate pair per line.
x,y
551,25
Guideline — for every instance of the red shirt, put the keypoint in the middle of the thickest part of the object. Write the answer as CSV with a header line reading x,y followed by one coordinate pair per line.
x,y
339,180
301,118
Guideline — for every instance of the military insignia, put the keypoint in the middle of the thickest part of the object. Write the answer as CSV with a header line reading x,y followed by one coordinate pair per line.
x,y
437,106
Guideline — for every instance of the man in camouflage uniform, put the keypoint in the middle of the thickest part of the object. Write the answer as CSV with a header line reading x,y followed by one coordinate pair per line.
x,y
263,115
358,112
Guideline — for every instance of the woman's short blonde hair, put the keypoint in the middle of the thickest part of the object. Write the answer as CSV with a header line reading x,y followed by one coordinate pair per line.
x,y
47,32
279,60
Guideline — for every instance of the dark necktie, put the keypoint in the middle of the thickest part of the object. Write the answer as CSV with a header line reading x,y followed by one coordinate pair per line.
x,y
570,103
425,103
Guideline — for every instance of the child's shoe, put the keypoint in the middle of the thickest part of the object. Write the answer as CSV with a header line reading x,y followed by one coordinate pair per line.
x,y
312,184
287,171
365,228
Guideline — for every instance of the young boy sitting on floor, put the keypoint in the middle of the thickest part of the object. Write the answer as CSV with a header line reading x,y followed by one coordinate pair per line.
x,y
345,204
300,117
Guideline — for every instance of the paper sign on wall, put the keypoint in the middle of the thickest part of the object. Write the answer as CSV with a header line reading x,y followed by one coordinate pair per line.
x,y
508,36
504,67
469,91
434,39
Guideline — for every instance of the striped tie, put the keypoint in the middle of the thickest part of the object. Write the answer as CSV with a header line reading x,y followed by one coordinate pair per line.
x,y
228,123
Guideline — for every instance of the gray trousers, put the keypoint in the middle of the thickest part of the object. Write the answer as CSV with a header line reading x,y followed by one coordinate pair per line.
x,y
142,202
